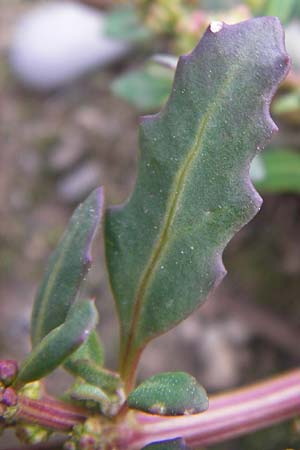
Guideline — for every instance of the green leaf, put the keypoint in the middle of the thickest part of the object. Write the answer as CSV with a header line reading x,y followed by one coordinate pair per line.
x,y
280,172
124,23
164,245
282,9
67,268
173,444
92,350
91,353
91,373
94,397
147,88
60,343
288,103
88,392
169,394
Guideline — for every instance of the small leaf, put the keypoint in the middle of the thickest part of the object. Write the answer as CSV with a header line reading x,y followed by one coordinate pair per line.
x,y
109,405
280,170
84,391
67,268
169,394
287,104
91,373
60,343
282,9
147,88
172,444
91,350
193,193
124,23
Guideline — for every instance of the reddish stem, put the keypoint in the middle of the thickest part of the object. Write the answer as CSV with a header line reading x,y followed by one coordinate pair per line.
x,y
230,415
50,413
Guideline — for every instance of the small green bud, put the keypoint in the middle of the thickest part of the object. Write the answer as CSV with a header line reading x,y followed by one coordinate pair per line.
x,y
32,434
32,390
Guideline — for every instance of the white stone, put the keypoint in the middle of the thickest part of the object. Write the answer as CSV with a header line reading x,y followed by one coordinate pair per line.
x,y
76,185
58,42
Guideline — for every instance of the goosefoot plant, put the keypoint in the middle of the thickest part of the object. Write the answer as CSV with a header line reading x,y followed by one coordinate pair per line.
x,y
164,255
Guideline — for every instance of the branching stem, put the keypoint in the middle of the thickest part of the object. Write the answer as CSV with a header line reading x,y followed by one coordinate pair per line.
x,y
230,415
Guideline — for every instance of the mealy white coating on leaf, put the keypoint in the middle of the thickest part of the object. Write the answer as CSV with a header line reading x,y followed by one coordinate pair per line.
x,y
216,26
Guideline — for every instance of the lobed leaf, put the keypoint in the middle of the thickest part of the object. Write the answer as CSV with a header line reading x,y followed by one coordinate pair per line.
x,y
169,394
173,444
67,268
60,343
193,192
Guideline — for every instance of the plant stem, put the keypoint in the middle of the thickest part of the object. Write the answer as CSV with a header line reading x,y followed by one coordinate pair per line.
x,y
128,373
50,413
229,416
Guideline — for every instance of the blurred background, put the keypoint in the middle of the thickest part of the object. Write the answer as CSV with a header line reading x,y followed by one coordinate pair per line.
x,y
74,79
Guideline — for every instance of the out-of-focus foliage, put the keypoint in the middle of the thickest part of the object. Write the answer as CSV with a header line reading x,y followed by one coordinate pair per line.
x,y
285,10
147,88
182,22
125,22
288,107
277,170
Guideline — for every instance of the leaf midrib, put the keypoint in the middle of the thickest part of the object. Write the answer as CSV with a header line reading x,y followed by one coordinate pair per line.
x,y
38,335
178,188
